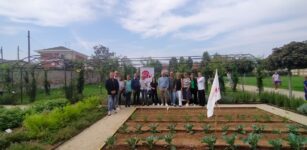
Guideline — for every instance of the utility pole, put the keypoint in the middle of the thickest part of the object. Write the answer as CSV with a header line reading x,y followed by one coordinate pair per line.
x,y
1,54
28,46
18,52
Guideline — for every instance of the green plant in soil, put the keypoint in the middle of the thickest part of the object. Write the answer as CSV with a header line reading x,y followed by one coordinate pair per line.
x,y
187,118
293,129
241,117
256,118
228,117
210,140
132,142
285,119
206,128
252,139
153,128
150,141
201,117
171,127
189,128
296,142
230,140
168,138
240,129
267,118
159,117
225,129
276,131
258,128
110,142
138,129
133,116
124,128
276,144
145,118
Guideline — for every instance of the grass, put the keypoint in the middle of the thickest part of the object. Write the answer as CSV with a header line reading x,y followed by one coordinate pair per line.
x,y
297,82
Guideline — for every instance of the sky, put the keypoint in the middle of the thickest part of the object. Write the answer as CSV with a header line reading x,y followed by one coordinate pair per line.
x,y
148,28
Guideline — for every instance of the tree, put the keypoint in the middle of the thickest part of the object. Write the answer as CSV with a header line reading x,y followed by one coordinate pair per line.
x,y
259,76
290,56
33,86
182,65
244,66
126,66
46,83
156,64
204,65
173,64
81,81
190,63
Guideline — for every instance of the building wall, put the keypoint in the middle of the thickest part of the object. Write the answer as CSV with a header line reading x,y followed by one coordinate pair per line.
x,y
299,72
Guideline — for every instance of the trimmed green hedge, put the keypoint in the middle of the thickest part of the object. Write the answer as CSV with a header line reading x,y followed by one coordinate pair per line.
x,y
11,118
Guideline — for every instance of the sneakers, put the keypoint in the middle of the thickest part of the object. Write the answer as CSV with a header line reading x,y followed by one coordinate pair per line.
x,y
109,113
187,104
117,108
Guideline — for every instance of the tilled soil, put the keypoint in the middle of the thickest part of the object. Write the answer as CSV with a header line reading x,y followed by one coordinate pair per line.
x,y
274,127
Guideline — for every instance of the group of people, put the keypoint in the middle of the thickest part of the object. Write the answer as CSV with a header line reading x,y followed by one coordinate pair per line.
x,y
174,89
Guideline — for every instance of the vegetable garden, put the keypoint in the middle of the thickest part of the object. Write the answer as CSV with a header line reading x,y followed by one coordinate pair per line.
x,y
189,128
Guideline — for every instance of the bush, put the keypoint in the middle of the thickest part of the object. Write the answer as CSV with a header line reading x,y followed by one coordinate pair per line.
x,y
303,109
25,146
8,99
58,118
11,118
49,105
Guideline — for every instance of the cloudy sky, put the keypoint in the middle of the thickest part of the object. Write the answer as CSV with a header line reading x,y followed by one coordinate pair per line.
x,y
136,28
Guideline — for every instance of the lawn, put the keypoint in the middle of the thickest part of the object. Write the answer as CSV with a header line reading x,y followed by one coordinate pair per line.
x,y
297,82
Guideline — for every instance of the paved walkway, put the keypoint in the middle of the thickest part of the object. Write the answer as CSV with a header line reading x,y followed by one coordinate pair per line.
x,y
281,91
94,137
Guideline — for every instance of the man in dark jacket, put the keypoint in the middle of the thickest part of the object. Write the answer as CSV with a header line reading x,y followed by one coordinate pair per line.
x,y
112,87
136,87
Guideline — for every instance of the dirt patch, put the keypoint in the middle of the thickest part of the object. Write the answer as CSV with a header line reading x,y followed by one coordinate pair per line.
x,y
226,122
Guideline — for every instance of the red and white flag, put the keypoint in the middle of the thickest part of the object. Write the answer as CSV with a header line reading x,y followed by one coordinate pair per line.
x,y
214,96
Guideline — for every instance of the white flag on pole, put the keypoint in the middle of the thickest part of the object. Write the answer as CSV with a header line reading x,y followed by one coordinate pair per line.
x,y
214,96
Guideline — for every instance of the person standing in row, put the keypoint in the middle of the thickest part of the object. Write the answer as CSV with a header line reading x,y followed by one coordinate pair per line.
x,y
117,78
201,89
305,87
186,82
143,90
121,92
178,88
172,90
128,91
112,88
153,93
163,84
193,89
136,87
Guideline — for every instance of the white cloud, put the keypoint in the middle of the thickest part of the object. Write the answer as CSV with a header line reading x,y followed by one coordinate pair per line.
x,y
209,19
54,12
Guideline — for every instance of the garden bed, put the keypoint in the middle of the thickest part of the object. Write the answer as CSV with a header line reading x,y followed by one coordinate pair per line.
x,y
189,128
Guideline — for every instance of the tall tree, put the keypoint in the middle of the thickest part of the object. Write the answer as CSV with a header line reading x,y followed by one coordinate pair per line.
x,y
290,56
204,65
182,65
190,63
173,64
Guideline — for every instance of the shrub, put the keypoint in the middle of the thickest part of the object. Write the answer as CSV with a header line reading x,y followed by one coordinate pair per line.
x,y
110,142
49,105
276,143
210,140
252,139
296,141
150,141
168,138
8,99
206,128
225,129
302,109
132,142
25,146
124,128
189,128
293,129
230,140
11,118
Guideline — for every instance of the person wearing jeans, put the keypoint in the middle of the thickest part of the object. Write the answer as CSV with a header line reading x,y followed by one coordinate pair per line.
x,y
172,90
201,89
128,91
112,88
163,84
178,88
143,91
136,87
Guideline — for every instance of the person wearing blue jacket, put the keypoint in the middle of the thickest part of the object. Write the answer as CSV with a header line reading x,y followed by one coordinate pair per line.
x,y
136,88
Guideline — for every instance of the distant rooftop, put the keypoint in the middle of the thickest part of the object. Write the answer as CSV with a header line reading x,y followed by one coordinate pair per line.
x,y
58,49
